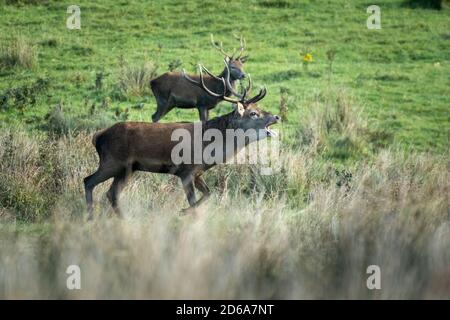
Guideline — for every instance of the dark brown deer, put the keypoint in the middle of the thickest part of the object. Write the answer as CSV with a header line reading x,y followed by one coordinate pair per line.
x,y
127,147
173,90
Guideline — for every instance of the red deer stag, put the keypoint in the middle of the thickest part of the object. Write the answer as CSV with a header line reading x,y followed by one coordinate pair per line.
x,y
127,147
172,89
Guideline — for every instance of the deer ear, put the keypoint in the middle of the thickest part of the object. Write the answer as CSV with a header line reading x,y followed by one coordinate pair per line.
x,y
239,108
244,59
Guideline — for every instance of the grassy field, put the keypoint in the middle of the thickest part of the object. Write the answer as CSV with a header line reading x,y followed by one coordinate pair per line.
x,y
364,155
400,73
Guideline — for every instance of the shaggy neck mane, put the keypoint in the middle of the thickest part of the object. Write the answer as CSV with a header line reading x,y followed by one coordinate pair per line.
x,y
221,123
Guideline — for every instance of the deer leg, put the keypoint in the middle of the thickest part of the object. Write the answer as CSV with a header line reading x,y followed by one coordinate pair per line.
x,y
188,187
203,113
161,106
102,174
116,187
201,185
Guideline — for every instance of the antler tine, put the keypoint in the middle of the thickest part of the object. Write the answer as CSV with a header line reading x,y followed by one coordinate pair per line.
x,y
241,49
262,93
220,48
244,94
243,45
209,91
211,74
190,79
202,85
250,84
228,99
222,96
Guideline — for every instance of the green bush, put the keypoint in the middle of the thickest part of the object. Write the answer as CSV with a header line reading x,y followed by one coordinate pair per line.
x,y
23,96
17,53
134,79
60,123
333,126
429,4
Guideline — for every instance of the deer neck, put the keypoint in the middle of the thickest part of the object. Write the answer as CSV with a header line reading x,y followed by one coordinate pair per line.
x,y
224,75
221,123
224,123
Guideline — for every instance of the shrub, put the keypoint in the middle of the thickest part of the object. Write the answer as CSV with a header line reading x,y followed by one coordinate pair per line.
x,y
133,80
333,124
23,96
18,53
25,186
50,42
26,2
428,4
81,50
175,64
59,123
286,100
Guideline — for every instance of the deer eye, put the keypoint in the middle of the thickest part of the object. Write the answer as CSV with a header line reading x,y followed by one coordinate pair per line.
x,y
253,114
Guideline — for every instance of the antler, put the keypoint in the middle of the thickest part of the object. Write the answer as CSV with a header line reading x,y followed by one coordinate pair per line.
x,y
241,97
232,57
241,49
189,78
219,47
262,93
230,87
210,73
202,85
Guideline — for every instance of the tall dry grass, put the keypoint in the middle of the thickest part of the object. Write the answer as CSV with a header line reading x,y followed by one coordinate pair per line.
x,y
17,53
134,79
333,125
304,232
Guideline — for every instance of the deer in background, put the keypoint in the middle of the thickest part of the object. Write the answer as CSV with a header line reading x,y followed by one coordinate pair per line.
x,y
173,90
128,147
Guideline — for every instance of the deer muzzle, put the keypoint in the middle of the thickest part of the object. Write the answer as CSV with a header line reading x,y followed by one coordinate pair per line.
x,y
272,120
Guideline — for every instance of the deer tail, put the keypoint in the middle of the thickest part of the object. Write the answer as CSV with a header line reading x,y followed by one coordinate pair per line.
x,y
95,137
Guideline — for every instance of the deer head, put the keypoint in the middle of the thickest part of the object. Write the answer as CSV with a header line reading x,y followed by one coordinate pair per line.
x,y
247,115
234,62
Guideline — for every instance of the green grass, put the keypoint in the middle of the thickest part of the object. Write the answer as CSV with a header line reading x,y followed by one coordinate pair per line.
x,y
400,74
363,169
